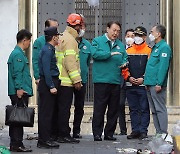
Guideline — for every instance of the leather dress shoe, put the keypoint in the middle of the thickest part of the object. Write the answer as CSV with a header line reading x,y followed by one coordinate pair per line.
x,y
53,138
143,136
19,149
47,144
77,135
133,135
110,138
67,139
97,138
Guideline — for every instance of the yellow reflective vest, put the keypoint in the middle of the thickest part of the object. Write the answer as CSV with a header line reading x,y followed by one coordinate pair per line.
x,y
67,54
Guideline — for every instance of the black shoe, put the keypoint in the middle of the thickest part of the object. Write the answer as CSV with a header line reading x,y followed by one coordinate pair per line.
x,y
19,149
109,138
116,133
143,136
97,138
77,135
123,133
54,138
67,139
133,135
47,144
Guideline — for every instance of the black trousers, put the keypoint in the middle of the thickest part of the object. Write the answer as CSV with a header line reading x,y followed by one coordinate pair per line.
x,y
16,132
55,131
47,106
122,114
55,122
64,105
79,97
105,95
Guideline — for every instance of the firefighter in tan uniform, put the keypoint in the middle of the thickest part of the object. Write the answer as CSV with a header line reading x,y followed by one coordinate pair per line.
x,y
68,62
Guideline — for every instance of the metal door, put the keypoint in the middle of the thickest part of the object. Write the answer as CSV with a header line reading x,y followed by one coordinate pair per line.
x,y
144,13
130,13
58,9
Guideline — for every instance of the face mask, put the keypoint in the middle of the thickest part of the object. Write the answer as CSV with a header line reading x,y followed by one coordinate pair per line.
x,y
81,33
138,40
129,41
152,37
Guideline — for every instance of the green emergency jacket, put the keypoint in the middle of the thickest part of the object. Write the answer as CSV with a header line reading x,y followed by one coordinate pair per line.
x,y
106,67
158,65
37,46
84,56
18,72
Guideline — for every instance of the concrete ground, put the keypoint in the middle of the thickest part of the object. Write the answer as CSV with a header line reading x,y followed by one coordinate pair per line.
x,y
86,145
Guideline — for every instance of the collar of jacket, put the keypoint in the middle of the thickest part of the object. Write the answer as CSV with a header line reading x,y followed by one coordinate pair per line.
x,y
139,47
72,31
159,43
50,46
106,40
19,48
82,43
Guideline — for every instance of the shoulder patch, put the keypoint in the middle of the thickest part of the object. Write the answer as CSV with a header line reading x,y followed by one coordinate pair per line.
x,y
164,54
19,60
84,47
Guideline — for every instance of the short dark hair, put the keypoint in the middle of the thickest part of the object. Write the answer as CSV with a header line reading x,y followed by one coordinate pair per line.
x,y
162,30
129,30
48,38
23,34
109,24
47,22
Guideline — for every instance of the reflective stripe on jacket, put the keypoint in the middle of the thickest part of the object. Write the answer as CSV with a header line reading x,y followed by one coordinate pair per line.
x,y
67,54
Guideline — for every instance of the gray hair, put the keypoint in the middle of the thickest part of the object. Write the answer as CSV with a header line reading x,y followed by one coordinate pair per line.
x,y
162,30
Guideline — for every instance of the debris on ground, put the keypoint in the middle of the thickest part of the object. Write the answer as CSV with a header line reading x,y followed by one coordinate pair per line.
x,y
33,136
126,150
161,145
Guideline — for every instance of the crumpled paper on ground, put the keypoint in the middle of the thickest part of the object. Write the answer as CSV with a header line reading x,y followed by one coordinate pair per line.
x,y
127,150
159,145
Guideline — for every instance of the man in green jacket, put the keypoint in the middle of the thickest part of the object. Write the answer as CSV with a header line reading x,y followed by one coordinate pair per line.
x,y
155,79
37,46
108,54
79,95
19,85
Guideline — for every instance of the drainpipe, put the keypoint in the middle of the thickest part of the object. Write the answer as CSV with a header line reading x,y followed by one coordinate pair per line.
x,y
166,19
176,53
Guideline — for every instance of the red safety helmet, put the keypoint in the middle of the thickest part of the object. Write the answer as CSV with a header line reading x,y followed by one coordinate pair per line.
x,y
75,19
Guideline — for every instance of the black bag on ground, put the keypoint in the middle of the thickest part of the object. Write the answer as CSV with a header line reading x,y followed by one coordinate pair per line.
x,y
19,116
